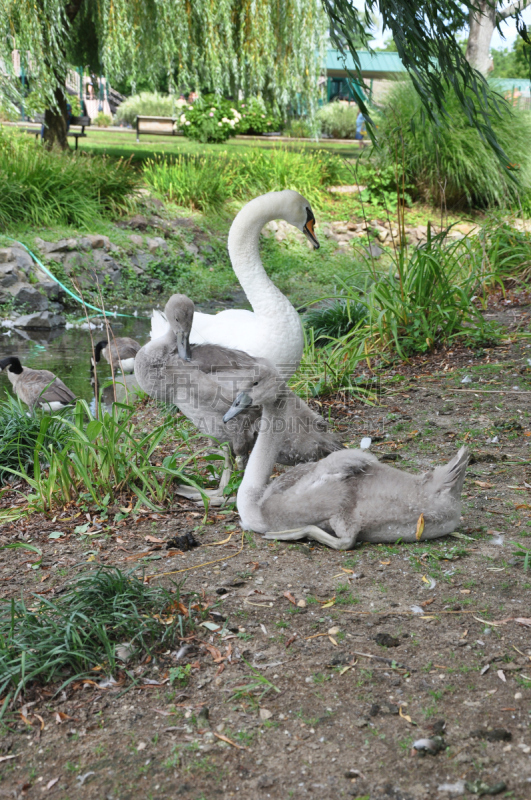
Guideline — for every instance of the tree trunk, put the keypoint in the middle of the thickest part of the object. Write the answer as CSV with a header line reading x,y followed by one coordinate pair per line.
x,y
482,25
55,120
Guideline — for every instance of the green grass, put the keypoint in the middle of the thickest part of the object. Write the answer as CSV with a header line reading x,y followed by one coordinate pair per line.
x,y
58,188
64,639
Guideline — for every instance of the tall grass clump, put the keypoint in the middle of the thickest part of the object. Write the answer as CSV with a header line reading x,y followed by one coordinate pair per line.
x,y
338,120
23,437
102,458
41,187
66,638
449,163
148,104
205,182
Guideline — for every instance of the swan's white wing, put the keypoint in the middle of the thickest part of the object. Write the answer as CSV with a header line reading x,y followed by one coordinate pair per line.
x,y
159,324
230,328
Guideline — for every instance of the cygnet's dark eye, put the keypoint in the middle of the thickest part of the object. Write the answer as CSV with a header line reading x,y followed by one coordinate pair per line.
x,y
255,383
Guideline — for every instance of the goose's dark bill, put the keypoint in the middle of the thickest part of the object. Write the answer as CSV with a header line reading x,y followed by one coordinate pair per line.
x,y
241,403
309,229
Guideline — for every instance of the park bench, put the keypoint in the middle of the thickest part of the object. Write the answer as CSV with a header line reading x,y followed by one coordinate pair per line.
x,y
83,122
158,126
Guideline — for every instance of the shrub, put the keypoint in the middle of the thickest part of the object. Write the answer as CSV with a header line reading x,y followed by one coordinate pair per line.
x,y
56,188
256,118
149,104
209,119
450,162
338,120
208,181
335,319
299,129
102,120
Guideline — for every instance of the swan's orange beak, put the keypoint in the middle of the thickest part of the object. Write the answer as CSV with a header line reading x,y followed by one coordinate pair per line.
x,y
310,232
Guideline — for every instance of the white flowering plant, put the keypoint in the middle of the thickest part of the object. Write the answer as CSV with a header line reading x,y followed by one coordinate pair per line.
x,y
210,119
257,118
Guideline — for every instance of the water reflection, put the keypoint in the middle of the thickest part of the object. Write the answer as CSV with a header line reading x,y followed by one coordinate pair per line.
x,y
67,353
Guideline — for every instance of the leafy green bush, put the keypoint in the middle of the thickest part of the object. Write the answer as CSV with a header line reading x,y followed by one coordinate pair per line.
x,y
59,188
210,119
102,120
256,118
299,128
208,181
381,189
450,162
335,319
338,120
149,104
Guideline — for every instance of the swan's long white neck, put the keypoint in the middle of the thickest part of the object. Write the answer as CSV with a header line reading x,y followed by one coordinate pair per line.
x,y
244,235
260,466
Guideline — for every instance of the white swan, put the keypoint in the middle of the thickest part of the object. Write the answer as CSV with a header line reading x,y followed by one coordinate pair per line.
x,y
273,329
346,496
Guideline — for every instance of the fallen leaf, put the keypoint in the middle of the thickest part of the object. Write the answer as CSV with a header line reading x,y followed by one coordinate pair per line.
x,y
428,602
329,603
51,783
501,675
464,591
154,539
291,640
214,652
8,758
420,528
333,641
301,603
484,484
344,569
229,741
385,563
523,621
485,669
406,716
265,713
290,597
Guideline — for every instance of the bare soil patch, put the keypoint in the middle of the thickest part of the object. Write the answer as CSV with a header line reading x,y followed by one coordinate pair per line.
x,y
327,666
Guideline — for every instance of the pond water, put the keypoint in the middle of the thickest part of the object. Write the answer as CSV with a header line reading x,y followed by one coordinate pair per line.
x,y
67,353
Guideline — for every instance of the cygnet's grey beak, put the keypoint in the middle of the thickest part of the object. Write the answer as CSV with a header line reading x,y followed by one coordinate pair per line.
x,y
241,402
184,350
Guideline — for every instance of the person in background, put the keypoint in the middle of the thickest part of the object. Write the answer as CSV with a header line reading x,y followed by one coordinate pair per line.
x,y
361,131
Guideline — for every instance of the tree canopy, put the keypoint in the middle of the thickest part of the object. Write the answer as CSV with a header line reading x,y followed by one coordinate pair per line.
x,y
260,46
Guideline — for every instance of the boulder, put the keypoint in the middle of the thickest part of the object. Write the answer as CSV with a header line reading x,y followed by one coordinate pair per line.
x,y
157,243
193,249
62,246
57,256
23,259
6,255
138,222
137,240
9,275
72,261
43,321
141,260
29,297
52,290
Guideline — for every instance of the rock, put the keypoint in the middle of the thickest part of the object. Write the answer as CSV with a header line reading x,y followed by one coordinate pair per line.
x,y
138,222
105,261
43,321
29,297
191,248
56,256
339,227
53,290
431,746
155,244
97,242
84,244
183,222
452,788
137,240
72,261
9,275
373,251
6,255
265,781
62,246
156,203
141,260
23,259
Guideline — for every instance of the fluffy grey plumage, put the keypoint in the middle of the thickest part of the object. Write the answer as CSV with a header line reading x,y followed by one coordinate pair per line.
x,y
204,380
348,495
37,387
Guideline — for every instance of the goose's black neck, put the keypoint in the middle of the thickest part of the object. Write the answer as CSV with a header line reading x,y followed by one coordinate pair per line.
x,y
13,363
97,350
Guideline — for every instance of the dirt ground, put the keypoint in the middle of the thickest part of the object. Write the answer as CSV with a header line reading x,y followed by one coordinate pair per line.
x,y
327,667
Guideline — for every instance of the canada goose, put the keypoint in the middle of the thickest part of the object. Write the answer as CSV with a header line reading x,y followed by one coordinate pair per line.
x,y
37,387
273,329
203,380
121,353
345,497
